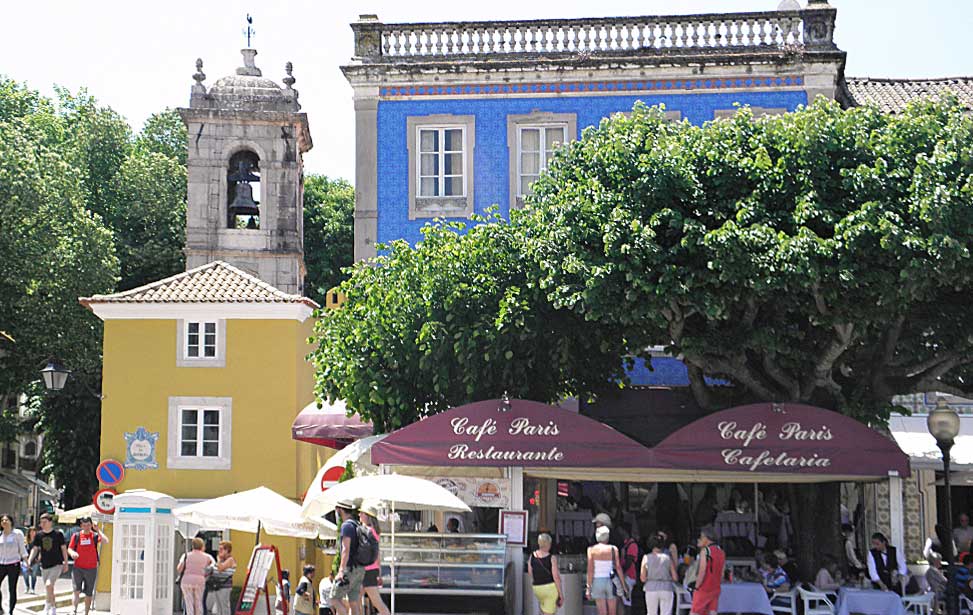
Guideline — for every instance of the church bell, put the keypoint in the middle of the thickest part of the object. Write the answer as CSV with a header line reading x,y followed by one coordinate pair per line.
x,y
243,204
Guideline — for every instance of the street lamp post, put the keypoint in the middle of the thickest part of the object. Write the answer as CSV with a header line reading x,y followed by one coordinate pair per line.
x,y
943,424
55,376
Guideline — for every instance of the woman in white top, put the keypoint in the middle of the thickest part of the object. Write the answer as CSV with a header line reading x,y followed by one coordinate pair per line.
x,y
658,575
603,560
11,555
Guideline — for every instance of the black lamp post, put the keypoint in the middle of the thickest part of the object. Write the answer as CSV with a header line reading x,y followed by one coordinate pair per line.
x,y
943,424
55,375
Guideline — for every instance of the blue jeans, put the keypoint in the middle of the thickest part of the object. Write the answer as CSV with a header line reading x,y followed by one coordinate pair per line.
x,y
33,573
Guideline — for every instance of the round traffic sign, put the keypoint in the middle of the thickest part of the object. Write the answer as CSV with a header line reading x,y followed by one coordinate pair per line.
x,y
331,477
110,472
104,501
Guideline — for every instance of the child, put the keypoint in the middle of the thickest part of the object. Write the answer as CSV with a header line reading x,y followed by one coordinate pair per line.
x,y
774,577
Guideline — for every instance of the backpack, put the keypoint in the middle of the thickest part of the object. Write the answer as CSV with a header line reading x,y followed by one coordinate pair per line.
x,y
364,550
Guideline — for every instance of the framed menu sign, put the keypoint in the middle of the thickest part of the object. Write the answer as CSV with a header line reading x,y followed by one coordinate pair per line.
x,y
513,524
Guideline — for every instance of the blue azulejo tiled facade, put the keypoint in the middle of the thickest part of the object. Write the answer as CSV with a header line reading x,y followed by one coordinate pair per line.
x,y
453,118
491,160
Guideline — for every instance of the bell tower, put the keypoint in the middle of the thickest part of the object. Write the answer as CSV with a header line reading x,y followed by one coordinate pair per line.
x,y
247,137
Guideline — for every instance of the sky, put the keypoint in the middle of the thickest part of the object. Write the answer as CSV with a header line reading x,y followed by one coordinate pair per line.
x,y
139,57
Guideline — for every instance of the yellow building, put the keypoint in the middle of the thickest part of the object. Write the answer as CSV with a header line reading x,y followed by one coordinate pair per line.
x,y
205,371
212,362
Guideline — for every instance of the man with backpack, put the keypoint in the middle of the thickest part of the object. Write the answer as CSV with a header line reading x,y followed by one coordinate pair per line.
x,y
348,582
84,550
631,555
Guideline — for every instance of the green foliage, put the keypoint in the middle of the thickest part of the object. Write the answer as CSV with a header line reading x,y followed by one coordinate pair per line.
x,y
77,193
148,198
329,208
455,319
819,256
164,133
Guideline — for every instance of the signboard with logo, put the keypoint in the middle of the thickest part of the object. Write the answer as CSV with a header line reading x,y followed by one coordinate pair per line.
x,y
781,438
509,433
140,449
481,492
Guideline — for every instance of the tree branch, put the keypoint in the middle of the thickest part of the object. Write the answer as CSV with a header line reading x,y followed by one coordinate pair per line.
x,y
737,368
697,384
773,370
925,365
941,387
821,373
892,340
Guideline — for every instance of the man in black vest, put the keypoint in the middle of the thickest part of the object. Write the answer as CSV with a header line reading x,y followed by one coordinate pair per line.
x,y
886,566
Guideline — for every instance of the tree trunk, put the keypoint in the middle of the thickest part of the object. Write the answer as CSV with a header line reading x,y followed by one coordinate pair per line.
x,y
816,513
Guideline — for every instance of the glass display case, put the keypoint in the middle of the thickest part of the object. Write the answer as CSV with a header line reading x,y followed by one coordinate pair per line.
x,y
446,564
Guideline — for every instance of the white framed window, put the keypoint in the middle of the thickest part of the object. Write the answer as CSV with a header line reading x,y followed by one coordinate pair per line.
x,y
200,339
536,144
199,435
723,114
440,165
442,161
531,140
201,343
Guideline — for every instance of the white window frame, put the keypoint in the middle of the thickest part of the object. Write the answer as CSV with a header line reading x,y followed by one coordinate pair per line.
x,y
725,114
535,119
440,206
175,459
441,154
182,343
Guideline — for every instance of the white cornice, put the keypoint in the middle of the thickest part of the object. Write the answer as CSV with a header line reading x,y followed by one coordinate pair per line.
x,y
232,311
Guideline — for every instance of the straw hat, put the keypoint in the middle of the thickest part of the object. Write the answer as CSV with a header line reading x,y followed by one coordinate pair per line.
x,y
369,508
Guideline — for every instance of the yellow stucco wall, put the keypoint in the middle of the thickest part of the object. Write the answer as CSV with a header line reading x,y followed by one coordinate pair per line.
x,y
267,378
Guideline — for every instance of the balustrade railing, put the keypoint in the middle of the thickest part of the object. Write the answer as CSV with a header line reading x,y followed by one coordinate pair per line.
x,y
808,28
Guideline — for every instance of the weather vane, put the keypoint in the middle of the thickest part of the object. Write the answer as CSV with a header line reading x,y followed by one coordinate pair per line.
x,y
250,32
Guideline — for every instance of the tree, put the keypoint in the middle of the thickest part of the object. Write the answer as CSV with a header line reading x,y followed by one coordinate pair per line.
x,y
148,217
822,256
164,133
329,236
457,318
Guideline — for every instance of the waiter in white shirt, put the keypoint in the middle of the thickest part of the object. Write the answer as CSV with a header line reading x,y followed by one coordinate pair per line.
x,y
886,565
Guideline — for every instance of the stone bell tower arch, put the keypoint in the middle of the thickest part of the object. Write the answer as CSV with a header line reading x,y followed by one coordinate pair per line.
x,y
247,138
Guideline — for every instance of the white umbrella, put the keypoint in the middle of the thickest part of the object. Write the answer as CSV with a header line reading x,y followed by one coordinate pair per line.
x,y
395,490
72,516
253,511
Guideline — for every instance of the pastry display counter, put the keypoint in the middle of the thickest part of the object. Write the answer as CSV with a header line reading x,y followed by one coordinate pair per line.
x,y
445,564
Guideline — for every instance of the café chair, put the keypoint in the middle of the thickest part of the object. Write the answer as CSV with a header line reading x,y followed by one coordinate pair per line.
x,y
684,599
785,602
918,604
965,605
816,603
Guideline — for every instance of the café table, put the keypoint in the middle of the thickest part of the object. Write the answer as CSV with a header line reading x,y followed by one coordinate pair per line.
x,y
868,602
744,598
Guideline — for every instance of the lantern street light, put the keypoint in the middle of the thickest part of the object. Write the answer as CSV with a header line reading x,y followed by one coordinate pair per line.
x,y
943,424
55,375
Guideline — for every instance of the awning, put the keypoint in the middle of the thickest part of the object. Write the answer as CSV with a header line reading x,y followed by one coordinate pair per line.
x,y
329,425
8,485
796,442
498,433
913,437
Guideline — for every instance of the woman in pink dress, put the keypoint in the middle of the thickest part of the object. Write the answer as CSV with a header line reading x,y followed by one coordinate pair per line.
x,y
192,566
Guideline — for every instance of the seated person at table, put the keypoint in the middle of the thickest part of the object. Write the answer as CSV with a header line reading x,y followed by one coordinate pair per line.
x,y
789,566
774,577
935,577
886,565
827,578
961,576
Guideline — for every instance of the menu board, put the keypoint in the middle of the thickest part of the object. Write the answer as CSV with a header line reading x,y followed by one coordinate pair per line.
x,y
260,564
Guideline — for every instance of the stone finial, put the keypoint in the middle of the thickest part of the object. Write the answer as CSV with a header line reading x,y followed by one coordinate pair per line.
x,y
199,77
789,5
289,80
249,67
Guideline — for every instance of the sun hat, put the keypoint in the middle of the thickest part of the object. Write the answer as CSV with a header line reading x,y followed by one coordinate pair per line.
x,y
603,519
369,508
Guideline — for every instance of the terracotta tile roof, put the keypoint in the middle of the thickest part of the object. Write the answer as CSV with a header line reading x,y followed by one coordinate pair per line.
x,y
216,282
892,95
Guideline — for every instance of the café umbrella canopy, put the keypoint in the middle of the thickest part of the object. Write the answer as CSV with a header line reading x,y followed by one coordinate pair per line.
x,y
253,511
393,490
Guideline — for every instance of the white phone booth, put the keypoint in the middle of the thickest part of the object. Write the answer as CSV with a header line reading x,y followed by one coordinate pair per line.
x,y
143,573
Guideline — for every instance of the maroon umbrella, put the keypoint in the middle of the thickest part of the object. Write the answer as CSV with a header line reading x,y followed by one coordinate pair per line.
x,y
329,425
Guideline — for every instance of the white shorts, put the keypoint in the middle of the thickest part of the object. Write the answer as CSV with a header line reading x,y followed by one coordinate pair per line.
x,y
51,575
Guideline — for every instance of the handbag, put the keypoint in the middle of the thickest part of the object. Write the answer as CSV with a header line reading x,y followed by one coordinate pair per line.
x,y
303,603
619,586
